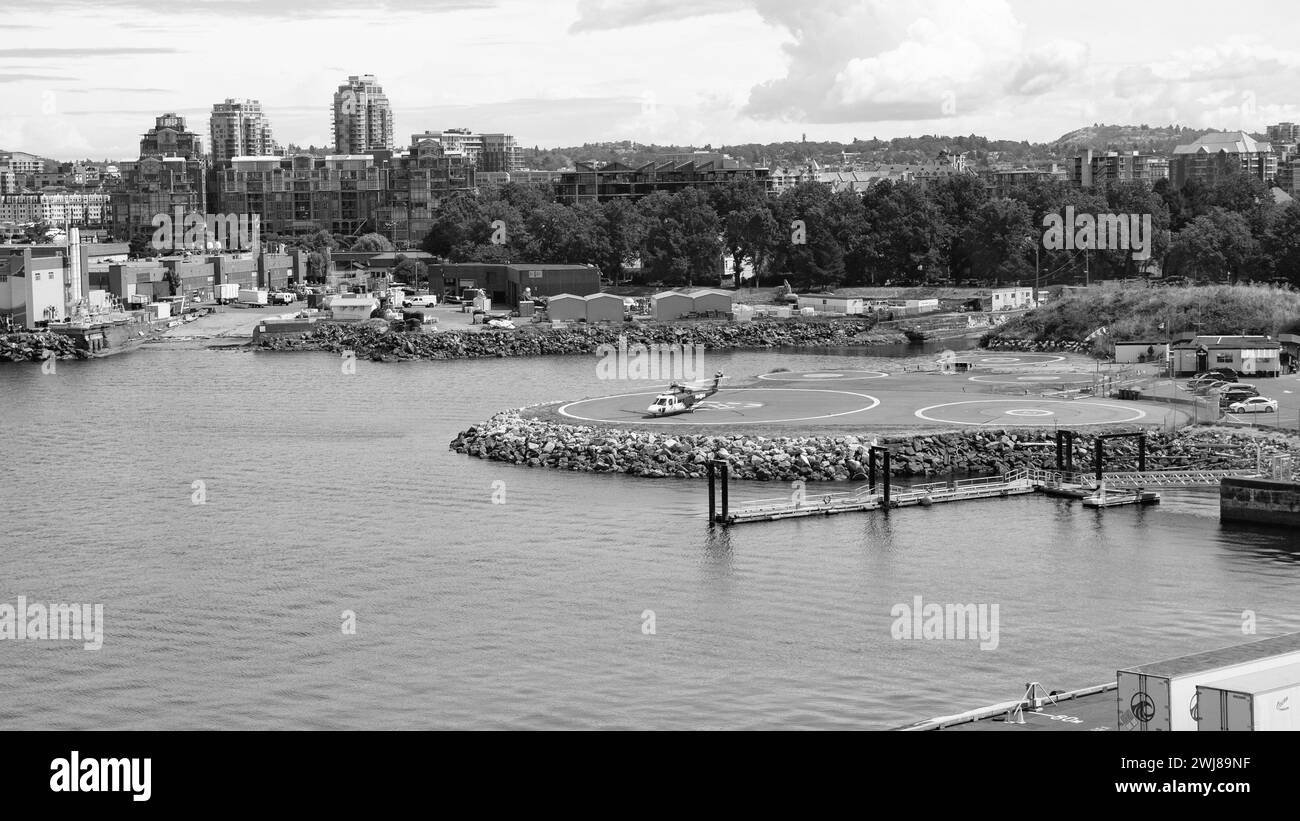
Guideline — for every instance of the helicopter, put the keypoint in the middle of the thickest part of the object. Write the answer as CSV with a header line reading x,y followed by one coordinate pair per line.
x,y
681,398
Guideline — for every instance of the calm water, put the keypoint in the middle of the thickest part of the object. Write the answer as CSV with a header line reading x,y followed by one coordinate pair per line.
x,y
327,493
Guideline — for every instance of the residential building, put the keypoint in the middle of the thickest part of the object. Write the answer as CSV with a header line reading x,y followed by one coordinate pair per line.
x,y
1286,133
363,119
1091,169
495,179
488,152
239,128
1001,182
591,181
56,208
171,173
397,194
1012,299
1221,152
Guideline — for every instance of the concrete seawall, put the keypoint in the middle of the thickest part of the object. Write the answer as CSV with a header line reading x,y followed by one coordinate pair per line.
x,y
1260,501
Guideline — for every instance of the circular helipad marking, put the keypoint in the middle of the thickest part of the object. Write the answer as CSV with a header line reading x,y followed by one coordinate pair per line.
x,y
1067,413
724,407
1011,359
1080,378
823,376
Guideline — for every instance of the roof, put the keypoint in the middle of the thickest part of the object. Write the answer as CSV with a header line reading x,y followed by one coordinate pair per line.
x,y
707,291
1233,142
602,295
548,266
1218,343
564,296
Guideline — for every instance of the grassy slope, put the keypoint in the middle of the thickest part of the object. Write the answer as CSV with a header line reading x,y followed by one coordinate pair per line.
x,y
1136,313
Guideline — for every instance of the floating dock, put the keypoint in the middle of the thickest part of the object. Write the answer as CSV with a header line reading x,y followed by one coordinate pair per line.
x,y
885,496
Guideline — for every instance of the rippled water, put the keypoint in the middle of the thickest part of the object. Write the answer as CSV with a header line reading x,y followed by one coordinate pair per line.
x,y
327,492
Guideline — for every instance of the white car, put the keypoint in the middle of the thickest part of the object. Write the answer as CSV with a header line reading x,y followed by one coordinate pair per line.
x,y
1255,404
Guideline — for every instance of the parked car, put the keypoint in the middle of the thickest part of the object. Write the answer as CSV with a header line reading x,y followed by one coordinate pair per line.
x,y
422,301
1254,404
1206,388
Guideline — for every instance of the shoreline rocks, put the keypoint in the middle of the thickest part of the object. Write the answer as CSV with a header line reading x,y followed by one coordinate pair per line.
x,y
516,438
37,346
1036,346
381,343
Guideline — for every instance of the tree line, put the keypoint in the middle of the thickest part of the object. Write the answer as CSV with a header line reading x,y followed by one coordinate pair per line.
x,y
947,230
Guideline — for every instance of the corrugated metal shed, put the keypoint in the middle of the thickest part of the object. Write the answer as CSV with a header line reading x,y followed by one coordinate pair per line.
x,y
567,307
671,305
604,308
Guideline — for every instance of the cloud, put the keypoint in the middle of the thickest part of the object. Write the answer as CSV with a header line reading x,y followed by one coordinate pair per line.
x,y
18,78
78,53
1235,84
856,61
599,15
284,9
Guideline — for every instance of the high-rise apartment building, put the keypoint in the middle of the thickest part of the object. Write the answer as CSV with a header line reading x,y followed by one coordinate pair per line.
x,y
488,152
1284,133
240,129
363,119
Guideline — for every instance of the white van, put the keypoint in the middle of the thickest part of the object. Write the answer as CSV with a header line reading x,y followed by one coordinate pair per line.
x,y
422,301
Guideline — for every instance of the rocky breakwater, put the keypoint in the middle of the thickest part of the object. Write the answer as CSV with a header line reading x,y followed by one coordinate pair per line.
x,y
517,438
377,341
994,343
37,346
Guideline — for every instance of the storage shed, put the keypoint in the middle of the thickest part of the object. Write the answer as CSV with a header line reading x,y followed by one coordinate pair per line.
x,y
711,300
604,308
671,305
566,307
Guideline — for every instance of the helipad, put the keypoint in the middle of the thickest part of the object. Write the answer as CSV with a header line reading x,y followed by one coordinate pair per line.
x,y
998,360
1051,378
730,406
1013,412
822,376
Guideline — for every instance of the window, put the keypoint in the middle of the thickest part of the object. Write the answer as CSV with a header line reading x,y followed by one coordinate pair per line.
x,y
1222,358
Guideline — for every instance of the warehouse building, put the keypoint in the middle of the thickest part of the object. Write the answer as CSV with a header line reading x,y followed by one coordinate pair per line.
x,y
508,283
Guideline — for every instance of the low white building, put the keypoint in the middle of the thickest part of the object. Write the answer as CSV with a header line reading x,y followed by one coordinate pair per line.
x,y
1012,299
352,307
831,304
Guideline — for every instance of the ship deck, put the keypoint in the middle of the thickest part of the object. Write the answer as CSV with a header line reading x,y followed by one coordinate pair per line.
x,y
1089,709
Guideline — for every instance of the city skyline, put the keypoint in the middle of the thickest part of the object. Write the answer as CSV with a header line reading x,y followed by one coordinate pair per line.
x,y
590,70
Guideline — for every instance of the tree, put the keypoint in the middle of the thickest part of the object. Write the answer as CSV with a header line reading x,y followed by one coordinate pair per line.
x,y
372,242
997,237
624,227
409,270
1213,245
811,253
1281,243
682,242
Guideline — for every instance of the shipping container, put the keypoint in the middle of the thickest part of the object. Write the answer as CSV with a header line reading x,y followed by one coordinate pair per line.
x,y
1266,700
227,290
252,296
1162,695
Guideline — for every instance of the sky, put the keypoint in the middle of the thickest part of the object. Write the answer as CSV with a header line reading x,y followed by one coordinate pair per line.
x,y
84,80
